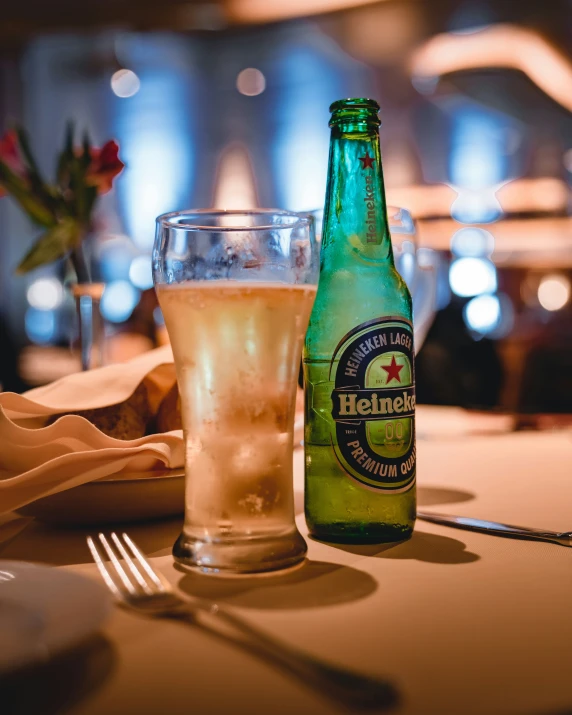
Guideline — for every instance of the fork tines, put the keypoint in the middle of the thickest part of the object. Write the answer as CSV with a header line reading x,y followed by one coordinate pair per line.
x,y
144,580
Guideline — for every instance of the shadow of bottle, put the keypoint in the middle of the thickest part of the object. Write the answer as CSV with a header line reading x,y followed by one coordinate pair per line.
x,y
422,546
429,496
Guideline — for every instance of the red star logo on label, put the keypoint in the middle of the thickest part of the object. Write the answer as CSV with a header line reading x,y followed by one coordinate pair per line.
x,y
393,370
366,161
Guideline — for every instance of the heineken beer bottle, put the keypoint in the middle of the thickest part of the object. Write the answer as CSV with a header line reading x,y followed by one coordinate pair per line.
x,y
358,357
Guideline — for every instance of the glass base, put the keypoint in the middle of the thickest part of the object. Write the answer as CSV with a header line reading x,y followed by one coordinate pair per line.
x,y
240,555
340,533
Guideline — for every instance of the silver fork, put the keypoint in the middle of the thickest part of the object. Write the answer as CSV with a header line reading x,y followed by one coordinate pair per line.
x,y
137,586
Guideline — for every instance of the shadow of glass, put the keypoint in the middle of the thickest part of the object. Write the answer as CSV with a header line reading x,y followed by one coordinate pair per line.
x,y
60,683
47,544
314,585
350,690
422,546
428,496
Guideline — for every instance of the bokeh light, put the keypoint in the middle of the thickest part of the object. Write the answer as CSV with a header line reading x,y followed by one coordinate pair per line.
x,y
118,301
554,292
480,206
125,83
140,272
472,276
45,294
490,315
40,325
472,242
115,256
482,313
251,82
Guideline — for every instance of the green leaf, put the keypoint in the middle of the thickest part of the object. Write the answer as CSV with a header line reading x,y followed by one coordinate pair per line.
x,y
89,199
19,189
70,131
86,156
27,152
41,193
52,245
66,158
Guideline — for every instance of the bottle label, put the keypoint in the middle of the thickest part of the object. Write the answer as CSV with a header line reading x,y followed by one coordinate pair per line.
x,y
373,404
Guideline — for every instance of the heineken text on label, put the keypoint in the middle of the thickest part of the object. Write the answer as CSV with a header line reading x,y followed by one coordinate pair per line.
x,y
373,404
372,219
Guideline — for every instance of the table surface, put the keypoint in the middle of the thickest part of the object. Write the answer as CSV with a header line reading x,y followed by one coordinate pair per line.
x,y
457,622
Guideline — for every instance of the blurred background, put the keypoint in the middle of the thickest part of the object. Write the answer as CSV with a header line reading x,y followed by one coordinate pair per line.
x,y
226,104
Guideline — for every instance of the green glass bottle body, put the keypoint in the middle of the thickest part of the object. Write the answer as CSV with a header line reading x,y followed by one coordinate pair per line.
x,y
359,367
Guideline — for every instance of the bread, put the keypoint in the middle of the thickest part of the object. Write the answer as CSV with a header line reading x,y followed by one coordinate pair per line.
x,y
127,420
169,413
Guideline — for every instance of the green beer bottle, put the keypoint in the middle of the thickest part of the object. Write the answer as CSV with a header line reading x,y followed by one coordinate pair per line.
x,y
358,357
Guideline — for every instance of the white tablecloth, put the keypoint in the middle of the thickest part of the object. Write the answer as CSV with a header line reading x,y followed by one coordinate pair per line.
x,y
458,622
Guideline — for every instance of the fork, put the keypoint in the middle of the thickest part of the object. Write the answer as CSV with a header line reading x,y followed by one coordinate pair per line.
x,y
139,587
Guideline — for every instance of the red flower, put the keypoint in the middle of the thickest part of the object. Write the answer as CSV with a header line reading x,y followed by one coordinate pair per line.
x,y
10,155
104,167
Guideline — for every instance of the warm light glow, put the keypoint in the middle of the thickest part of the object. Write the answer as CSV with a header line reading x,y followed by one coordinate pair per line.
x,y
545,194
251,82
424,201
235,187
517,240
472,276
265,11
498,46
125,83
554,292
45,294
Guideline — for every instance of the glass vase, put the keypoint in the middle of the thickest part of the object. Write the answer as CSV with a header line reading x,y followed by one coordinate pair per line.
x,y
90,324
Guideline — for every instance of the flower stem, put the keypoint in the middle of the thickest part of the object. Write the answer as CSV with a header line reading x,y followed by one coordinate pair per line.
x,y
80,266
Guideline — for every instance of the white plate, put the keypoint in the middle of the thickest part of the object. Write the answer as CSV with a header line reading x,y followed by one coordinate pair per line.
x,y
44,611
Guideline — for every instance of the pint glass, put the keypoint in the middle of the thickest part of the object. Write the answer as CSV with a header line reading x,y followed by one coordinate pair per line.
x,y
236,289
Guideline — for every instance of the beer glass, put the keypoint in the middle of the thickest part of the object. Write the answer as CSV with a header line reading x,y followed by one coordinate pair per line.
x,y
236,289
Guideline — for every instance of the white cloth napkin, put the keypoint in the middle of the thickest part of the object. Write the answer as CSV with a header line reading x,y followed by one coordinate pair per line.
x,y
38,460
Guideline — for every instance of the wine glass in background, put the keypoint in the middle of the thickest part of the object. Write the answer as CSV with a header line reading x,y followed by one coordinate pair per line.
x,y
417,266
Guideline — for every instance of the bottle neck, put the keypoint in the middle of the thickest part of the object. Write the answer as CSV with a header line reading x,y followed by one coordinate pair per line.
x,y
355,215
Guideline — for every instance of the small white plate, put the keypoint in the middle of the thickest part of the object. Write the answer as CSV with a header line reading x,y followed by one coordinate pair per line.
x,y
44,611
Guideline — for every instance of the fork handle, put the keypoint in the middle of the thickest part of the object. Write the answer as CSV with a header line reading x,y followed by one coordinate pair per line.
x,y
354,690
